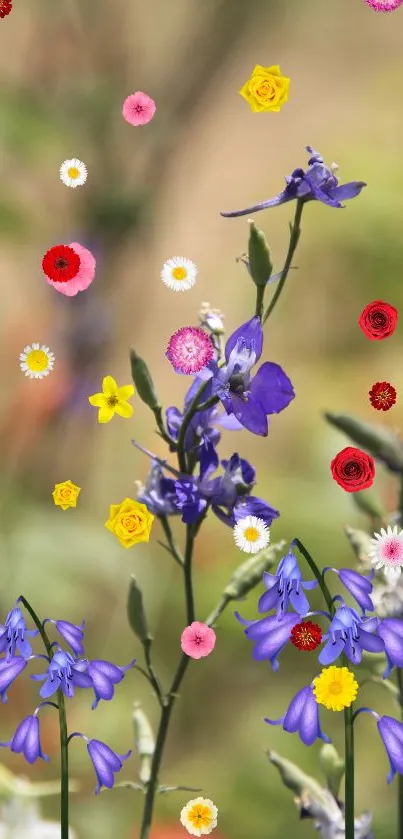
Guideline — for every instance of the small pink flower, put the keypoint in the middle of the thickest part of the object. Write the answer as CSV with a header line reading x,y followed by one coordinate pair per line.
x,y
384,5
138,108
189,350
198,640
84,276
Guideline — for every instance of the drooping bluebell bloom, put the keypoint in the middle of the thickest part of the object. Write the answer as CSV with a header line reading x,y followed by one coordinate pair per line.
x,y
270,634
26,739
159,493
359,586
72,633
249,400
286,587
14,633
391,632
64,672
391,732
302,717
105,761
317,183
351,634
10,669
105,676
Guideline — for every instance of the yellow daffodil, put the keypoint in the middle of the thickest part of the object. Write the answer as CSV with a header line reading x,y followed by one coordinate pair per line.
x,y
65,495
335,688
130,521
112,400
267,89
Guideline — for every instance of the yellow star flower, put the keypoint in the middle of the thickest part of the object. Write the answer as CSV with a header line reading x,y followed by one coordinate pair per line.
x,y
267,89
112,400
130,521
335,688
65,495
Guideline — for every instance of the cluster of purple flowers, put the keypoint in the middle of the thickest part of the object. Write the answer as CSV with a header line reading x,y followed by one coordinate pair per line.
x,y
349,633
65,671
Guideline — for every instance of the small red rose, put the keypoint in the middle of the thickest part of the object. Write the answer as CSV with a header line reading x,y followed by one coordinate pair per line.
x,y
353,469
382,396
378,320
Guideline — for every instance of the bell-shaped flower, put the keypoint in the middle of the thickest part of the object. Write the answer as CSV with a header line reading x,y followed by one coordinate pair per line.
x,y
10,669
391,732
14,633
302,717
105,761
104,676
350,634
391,632
270,635
285,587
26,739
64,672
72,633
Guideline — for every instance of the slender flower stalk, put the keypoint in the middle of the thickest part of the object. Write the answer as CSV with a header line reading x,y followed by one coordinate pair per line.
x,y
295,231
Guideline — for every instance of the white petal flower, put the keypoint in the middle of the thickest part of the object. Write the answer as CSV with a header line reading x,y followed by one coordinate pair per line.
x,y
199,816
73,172
36,361
387,552
251,534
179,273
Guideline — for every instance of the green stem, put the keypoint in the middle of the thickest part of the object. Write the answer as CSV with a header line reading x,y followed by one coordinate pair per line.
x,y
173,548
349,773
218,610
315,571
161,427
260,290
294,237
64,756
191,411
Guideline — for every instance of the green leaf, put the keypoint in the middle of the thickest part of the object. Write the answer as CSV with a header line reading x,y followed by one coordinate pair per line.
x,y
136,613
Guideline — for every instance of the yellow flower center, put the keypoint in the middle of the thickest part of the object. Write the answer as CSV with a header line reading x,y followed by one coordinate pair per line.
x,y
251,534
200,816
73,172
179,273
132,523
265,89
37,361
66,492
112,400
335,687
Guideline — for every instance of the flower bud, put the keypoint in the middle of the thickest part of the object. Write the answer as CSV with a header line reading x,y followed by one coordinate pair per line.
x,y
333,767
260,263
136,613
379,442
295,779
211,319
143,382
250,572
144,742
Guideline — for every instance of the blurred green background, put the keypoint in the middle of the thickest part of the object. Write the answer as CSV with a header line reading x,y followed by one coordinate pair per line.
x,y
155,192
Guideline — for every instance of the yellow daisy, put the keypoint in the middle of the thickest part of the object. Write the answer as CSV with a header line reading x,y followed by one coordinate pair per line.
x,y
335,688
199,816
112,400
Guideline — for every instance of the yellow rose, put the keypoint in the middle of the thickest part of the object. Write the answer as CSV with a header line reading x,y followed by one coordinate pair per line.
x,y
267,89
65,495
130,521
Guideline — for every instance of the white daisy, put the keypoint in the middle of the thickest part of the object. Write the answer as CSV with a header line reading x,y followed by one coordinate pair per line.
x,y
387,552
199,816
251,534
179,273
73,172
36,361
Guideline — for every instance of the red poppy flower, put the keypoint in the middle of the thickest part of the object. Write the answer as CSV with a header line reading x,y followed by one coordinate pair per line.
x,y
5,7
306,636
61,264
353,469
378,320
382,396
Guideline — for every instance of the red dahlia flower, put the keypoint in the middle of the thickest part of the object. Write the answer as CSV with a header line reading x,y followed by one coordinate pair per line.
x,y
382,396
61,264
306,636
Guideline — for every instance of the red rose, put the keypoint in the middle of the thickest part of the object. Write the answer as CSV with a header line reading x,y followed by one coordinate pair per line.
x,y
378,320
353,469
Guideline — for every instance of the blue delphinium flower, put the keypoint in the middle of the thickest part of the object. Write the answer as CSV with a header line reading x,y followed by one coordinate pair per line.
x,y
286,587
189,499
317,183
159,494
13,635
351,634
105,761
391,632
10,669
270,634
64,672
105,676
249,400
71,633
302,716
201,426
26,739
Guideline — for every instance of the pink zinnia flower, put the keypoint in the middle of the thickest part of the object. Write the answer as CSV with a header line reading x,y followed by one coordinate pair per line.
x,y
384,5
77,280
198,640
189,350
138,108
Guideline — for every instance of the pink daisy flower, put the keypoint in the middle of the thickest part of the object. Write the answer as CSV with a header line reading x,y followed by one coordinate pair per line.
x,y
198,640
384,5
80,274
138,108
189,350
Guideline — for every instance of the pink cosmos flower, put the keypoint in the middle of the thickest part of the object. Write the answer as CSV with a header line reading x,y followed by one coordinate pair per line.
x,y
198,640
384,5
189,350
138,108
82,278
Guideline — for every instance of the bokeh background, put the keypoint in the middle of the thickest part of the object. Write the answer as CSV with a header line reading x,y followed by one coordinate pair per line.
x,y
155,192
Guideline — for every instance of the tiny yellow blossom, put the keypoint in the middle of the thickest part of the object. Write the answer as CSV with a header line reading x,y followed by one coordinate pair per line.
x,y
130,521
112,400
65,495
335,688
267,89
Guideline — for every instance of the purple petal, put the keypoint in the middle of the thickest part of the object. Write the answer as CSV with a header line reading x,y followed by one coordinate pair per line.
x,y
250,505
268,600
111,671
82,680
251,333
346,191
50,687
299,601
229,422
272,388
358,586
331,651
391,632
295,710
391,732
370,642
250,414
272,202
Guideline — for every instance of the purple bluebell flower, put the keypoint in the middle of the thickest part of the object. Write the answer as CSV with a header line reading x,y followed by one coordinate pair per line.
x,y
350,634
302,716
359,586
26,739
104,760
10,669
391,632
189,500
105,676
391,732
317,183
72,633
14,633
159,493
270,634
64,672
249,400
286,587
